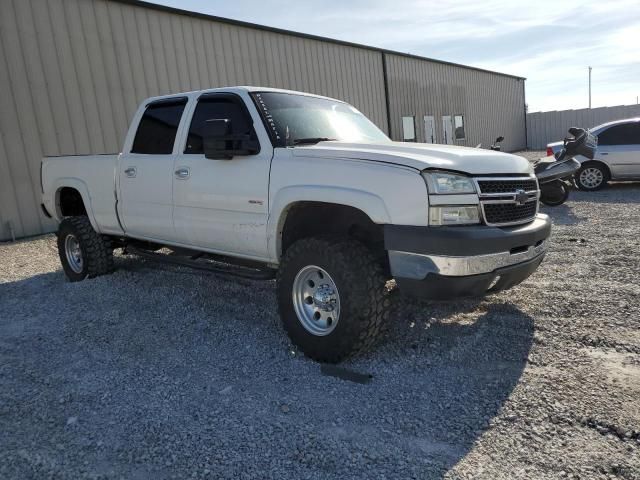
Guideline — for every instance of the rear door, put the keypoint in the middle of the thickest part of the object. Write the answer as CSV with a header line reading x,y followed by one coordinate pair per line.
x,y
619,148
145,172
222,205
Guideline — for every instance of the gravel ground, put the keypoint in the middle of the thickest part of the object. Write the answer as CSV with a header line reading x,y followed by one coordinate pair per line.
x,y
161,372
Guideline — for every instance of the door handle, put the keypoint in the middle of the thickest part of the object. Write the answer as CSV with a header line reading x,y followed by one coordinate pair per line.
x,y
182,173
130,172
604,153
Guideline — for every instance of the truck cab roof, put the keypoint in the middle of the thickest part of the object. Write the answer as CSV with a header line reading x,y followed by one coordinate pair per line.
x,y
236,89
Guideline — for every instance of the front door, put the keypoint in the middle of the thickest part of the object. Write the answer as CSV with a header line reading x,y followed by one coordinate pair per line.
x,y
145,173
222,205
429,129
447,130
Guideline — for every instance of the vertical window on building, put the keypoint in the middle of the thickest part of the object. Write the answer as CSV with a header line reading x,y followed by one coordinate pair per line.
x,y
458,127
158,127
409,129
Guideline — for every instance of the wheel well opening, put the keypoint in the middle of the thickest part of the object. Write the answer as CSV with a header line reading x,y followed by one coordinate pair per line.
x,y
70,202
309,219
604,166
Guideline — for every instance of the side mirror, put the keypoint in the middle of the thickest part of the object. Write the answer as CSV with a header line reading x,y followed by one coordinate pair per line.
x,y
220,144
499,139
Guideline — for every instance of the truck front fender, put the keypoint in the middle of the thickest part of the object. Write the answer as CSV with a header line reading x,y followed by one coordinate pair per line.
x,y
370,204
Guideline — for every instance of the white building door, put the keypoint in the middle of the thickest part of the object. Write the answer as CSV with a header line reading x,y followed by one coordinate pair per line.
x,y
447,130
429,129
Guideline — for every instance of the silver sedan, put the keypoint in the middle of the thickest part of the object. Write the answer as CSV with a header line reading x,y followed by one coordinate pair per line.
x,y
617,156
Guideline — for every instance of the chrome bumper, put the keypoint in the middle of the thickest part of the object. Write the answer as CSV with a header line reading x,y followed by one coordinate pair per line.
x,y
417,266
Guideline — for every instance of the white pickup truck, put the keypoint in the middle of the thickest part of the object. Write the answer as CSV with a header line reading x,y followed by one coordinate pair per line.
x,y
271,183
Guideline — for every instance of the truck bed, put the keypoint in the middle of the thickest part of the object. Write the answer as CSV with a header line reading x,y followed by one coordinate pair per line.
x,y
94,177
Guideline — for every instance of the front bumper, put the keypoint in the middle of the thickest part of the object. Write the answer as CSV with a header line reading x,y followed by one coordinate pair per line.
x,y
440,263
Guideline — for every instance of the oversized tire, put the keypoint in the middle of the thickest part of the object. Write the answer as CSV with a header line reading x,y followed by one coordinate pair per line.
x,y
592,176
332,297
83,251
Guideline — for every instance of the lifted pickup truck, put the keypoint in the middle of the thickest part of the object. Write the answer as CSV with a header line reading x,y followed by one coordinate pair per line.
x,y
271,183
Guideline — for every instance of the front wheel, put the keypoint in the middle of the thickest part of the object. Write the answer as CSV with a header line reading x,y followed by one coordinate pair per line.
x,y
554,193
331,297
83,251
592,176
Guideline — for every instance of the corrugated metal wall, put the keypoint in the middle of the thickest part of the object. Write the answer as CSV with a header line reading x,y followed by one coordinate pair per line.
x,y
492,104
72,73
547,127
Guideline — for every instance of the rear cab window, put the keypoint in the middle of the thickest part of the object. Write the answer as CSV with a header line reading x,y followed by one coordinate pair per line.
x,y
158,127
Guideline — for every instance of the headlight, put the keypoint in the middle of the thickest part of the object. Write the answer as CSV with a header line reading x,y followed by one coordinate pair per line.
x,y
448,183
454,215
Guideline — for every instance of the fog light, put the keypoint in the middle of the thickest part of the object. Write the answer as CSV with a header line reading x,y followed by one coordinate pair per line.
x,y
454,215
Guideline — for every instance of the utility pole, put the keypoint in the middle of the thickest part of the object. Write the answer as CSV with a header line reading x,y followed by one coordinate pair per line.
x,y
589,88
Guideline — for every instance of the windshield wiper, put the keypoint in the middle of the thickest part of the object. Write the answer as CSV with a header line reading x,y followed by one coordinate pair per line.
x,y
311,140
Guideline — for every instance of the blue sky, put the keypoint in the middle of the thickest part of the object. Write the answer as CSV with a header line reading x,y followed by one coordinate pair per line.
x,y
550,42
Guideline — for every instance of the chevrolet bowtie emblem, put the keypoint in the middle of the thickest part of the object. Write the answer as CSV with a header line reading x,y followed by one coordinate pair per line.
x,y
521,197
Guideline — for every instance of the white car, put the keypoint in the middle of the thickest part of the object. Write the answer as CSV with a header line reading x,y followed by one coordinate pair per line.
x,y
617,156
268,183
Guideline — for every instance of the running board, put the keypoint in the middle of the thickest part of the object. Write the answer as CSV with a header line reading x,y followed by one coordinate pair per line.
x,y
206,264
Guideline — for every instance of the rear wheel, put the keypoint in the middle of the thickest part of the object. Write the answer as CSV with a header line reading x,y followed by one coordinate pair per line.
x,y
331,297
83,251
592,176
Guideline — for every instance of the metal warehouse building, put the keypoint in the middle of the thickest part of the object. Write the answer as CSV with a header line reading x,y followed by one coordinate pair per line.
x,y
72,73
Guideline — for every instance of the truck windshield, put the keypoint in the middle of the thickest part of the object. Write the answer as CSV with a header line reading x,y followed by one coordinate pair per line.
x,y
293,119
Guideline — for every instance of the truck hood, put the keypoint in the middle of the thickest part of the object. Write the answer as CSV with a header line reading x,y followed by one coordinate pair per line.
x,y
475,161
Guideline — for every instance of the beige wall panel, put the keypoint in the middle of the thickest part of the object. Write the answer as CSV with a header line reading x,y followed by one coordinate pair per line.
x,y
72,93
18,126
36,74
9,218
86,91
93,49
147,54
111,65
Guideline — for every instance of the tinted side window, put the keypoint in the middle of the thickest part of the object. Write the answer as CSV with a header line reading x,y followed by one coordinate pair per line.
x,y
627,134
158,127
217,108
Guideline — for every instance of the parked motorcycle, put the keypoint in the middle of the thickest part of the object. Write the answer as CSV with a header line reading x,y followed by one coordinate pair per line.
x,y
556,174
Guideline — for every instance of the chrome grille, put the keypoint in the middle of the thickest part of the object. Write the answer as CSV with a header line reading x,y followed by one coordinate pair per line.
x,y
508,201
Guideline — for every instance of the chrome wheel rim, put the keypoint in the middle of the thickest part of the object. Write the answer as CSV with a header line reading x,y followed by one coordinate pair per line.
x,y
74,253
316,300
591,177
